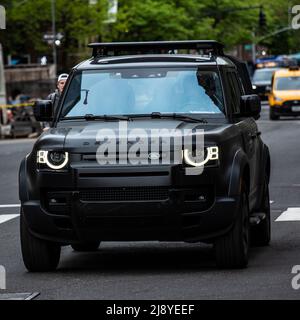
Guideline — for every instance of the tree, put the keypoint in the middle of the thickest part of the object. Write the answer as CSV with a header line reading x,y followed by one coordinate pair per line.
x,y
229,21
157,20
28,21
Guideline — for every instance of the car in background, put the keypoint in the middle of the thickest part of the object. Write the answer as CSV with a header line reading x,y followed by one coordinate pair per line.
x,y
284,98
282,61
261,81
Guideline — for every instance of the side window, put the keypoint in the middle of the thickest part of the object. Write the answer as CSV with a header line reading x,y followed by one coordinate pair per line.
x,y
240,84
235,91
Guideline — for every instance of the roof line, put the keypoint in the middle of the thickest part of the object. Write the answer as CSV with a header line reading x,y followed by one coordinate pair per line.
x,y
117,48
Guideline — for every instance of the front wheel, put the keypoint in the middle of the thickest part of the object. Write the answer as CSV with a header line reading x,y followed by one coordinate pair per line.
x,y
232,249
38,255
261,233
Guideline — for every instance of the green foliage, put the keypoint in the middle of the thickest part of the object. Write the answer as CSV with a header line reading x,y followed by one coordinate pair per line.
x,y
223,20
29,20
142,20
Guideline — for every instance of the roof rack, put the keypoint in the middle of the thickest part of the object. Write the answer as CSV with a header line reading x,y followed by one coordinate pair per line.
x,y
121,48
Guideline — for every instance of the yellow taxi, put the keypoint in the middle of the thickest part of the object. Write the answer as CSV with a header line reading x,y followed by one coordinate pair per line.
x,y
284,97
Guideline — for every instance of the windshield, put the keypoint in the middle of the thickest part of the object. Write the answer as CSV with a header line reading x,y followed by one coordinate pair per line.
x,y
143,91
263,75
288,83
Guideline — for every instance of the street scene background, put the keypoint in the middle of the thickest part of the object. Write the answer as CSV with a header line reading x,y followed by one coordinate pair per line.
x,y
45,38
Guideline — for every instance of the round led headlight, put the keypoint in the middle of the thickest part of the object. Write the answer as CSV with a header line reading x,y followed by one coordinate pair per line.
x,y
55,160
190,158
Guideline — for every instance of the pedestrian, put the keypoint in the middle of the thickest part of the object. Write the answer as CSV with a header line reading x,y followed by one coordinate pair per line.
x,y
54,96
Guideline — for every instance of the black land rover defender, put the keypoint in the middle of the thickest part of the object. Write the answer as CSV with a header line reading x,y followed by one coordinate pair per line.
x,y
81,184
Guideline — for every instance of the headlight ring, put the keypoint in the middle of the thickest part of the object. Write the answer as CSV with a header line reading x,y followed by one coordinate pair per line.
x,y
212,154
55,160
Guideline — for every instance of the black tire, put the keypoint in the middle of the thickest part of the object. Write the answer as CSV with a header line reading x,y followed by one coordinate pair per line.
x,y
273,116
232,249
261,234
38,255
86,247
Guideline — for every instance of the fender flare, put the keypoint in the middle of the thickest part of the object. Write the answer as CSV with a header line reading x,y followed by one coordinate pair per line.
x,y
23,191
240,167
266,160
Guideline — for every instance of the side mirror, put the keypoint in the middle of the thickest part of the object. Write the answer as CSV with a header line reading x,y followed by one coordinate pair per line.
x,y
43,110
250,106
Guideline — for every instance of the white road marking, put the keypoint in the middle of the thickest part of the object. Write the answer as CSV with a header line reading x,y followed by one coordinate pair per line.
x,y
18,296
291,214
17,141
7,217
10,206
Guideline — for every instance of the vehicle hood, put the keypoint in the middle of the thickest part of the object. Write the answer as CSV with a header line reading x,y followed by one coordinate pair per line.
x,y
76,137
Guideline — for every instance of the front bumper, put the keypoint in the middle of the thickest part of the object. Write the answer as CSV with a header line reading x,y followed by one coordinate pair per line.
x,y
170,220
129,204
286,109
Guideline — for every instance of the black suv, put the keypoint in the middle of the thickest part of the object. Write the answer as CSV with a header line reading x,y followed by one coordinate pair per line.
x,y
149,141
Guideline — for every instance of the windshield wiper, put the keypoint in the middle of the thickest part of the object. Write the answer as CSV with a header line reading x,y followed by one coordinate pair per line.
x,y
158,115
92,117
179,117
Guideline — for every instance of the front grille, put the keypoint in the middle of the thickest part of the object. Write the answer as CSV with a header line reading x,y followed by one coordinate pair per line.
x,y
260,89
126,194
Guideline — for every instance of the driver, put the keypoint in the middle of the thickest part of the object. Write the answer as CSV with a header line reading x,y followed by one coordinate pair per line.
x,y
208,84
197,97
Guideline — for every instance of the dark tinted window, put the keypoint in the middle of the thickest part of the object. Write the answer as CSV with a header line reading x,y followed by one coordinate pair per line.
x,y
235,92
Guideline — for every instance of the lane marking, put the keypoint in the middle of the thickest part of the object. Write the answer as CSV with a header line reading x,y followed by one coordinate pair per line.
x,y
17,141
7,217
291,214
10,206
19,296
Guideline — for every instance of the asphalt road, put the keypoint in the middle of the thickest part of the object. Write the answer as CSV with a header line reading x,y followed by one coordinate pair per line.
x,y
165,270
